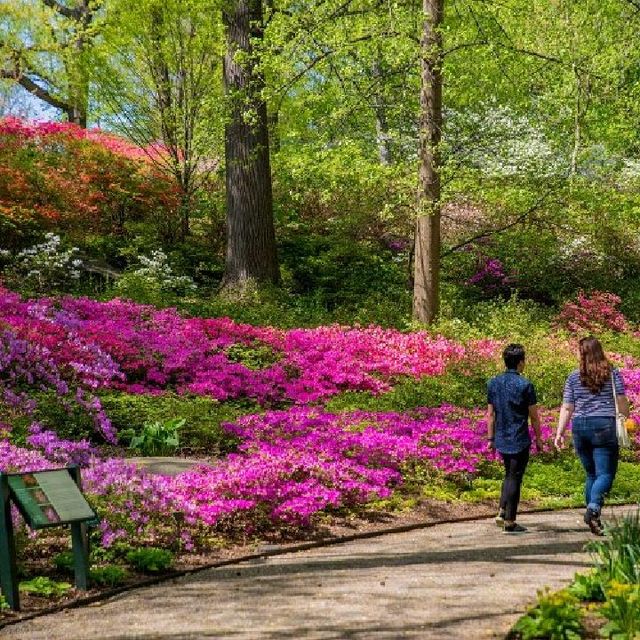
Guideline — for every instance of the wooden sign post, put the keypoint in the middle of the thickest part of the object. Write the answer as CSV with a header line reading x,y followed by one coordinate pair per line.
x,y
47,498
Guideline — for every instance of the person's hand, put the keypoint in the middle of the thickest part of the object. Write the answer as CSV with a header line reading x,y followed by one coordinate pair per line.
x,y
491,445
558,443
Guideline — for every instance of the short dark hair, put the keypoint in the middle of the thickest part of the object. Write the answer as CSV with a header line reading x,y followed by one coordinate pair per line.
x,y
513,355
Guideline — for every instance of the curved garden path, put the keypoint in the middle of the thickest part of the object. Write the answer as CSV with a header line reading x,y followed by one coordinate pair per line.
x,y
460,580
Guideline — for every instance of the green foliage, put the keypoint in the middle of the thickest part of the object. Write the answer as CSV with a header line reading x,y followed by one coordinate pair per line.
x,y
454,388
550,355
587,587
618,556
152,281
625,490
111,575
624,343
557,480
4,605
202,430
552,481
555,616
64,561
264,305
70,422
340,272
252,356
150,559
44,587
622,609
287,307
159,438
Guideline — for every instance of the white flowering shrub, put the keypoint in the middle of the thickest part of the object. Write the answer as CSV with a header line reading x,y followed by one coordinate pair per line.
x,y
153,281
502,143
44,268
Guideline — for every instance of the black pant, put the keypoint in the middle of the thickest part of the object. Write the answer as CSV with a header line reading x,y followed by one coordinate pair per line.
x,y
514,467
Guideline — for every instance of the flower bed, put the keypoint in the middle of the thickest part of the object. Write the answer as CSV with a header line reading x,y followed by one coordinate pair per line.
x,y
140,349
290,465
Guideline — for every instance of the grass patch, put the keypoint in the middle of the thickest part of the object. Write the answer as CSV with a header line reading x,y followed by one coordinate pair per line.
x,y
554,483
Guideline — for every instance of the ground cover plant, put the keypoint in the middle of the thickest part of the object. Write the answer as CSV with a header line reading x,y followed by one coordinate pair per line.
x,y
609,594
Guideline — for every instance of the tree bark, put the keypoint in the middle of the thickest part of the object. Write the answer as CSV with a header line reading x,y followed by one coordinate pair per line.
x,y
251,246
426,294
274,134
382,124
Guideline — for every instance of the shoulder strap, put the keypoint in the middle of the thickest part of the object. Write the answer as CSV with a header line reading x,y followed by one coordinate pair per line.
x,y
615,397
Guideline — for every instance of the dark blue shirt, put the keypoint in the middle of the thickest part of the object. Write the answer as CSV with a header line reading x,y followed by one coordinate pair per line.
x,y
511,396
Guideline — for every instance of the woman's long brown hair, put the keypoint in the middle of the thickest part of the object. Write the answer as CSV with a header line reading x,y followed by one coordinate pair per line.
x,y
595,369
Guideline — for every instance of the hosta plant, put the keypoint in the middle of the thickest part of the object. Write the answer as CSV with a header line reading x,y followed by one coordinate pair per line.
x,y
44,587
150,559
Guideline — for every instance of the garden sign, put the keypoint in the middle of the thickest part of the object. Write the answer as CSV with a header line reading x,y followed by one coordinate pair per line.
x,y
47,498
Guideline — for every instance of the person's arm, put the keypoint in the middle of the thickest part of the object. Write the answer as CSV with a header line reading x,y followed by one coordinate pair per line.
x,y
491,426
566,411
534,416
621,398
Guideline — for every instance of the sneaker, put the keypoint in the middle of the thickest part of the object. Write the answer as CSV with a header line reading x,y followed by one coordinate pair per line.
x,y
500,518
514,528
592,520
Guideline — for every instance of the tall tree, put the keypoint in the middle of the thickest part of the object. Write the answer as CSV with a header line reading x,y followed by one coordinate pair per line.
x,y
160,86
251,245
426,295
44,48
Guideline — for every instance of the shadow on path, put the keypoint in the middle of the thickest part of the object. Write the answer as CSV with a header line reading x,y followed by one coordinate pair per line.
x,y
542,553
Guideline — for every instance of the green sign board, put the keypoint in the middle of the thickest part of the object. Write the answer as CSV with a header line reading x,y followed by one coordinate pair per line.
x,y
49,498
46,498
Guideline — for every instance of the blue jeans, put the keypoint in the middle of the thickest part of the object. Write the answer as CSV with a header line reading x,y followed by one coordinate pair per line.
x,y
596,444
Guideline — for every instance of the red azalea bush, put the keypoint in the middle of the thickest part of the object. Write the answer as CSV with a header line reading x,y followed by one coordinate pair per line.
x,y
58,174
597,311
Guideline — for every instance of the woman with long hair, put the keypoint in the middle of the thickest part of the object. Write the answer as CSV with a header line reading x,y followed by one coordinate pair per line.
x,y
589,399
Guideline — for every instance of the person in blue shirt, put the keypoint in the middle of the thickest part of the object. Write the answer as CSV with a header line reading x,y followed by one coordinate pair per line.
x,y
512,402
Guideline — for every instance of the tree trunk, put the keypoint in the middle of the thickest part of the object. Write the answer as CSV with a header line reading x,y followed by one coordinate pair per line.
x,y
382,125
426,295
77,113
251,246
76,70
577,123
274,134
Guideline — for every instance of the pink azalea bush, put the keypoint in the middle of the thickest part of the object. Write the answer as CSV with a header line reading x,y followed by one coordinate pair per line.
x,y
597,311
290,466
27,366
140,349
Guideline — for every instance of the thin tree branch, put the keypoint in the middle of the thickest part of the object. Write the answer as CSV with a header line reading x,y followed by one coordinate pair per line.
x,y
74,14
34,88
491,232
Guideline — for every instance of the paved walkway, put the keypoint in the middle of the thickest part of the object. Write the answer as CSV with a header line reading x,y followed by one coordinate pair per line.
x,y
464,580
